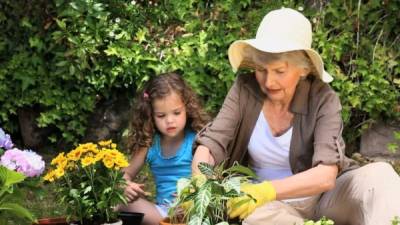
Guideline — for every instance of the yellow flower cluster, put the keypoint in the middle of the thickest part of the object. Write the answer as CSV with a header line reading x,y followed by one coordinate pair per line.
x,y
84,155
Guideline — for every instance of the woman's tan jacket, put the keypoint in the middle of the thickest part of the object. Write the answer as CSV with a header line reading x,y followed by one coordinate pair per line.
x,y
317,125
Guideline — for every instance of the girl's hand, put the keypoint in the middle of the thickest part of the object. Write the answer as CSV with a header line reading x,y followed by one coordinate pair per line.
x,y
133,191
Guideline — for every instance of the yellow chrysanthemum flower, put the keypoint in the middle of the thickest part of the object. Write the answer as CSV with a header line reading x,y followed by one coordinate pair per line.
x,y
87,161
75,154
60,157
62,163
92,148
70,165
59,172
121,162
105,143
99,156
49,176
108,162
113,153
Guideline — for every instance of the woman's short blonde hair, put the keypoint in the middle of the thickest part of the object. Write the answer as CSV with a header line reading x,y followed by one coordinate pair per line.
x,y
254,58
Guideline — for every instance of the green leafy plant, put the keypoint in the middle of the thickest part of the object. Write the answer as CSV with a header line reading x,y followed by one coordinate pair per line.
x,y
396,220
20,172
322,221
203,197
393,147
89,181
11,198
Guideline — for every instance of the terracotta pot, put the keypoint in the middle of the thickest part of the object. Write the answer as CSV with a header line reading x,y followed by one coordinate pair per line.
x,y
166,221
131,218
52,221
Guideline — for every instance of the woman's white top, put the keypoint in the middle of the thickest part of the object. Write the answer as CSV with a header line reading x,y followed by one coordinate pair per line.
x,y
269,155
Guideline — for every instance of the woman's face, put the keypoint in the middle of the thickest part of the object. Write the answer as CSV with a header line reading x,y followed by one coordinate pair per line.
x,y
278,80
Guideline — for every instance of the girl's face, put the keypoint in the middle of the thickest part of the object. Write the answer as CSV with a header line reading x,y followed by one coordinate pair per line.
x,y
169,115
278,80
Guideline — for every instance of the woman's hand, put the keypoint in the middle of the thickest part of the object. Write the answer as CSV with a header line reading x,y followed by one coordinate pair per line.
x,y
133,191
256,195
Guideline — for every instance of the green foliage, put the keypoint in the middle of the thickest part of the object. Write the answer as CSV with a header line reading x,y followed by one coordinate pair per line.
x,y
65,56
393,147
396,220
11,199
358,43
322,221
203,197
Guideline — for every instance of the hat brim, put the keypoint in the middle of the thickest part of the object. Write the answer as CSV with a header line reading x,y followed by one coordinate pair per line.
x,y
235,54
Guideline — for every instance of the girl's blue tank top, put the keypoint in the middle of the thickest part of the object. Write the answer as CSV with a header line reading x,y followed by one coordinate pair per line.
x,y
167,170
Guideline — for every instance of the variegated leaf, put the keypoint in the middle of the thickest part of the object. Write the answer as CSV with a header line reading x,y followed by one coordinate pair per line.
x,y
181,184
222,223
195,220
202,200
206,169
232,183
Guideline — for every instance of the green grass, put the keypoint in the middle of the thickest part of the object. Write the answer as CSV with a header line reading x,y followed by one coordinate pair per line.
x,y
45,204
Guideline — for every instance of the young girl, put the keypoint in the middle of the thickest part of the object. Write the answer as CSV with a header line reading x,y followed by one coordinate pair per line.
x,y
166,118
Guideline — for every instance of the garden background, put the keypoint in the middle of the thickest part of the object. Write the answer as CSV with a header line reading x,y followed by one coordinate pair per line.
x,y
65,64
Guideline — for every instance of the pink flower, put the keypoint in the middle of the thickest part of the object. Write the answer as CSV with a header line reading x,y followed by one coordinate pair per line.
x,y
27,162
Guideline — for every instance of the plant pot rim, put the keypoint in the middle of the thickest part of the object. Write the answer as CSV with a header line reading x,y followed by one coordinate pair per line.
x,y
131,213
52,220
166,221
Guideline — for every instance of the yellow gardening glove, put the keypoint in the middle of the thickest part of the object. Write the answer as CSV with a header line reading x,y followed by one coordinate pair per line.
x,y
243,206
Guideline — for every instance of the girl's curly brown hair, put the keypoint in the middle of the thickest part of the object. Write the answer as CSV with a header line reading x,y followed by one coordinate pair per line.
x,y
142,127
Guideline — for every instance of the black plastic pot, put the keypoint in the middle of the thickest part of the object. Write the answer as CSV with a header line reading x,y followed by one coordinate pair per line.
x,y
131,218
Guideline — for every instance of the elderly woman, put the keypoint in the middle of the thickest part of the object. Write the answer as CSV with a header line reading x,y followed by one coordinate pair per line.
x,y
284,121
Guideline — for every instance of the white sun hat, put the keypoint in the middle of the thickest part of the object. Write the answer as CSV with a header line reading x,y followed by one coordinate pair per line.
x,y
281,30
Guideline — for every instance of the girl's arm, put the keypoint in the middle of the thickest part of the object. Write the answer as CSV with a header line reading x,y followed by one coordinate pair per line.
x,y
134,190
135,164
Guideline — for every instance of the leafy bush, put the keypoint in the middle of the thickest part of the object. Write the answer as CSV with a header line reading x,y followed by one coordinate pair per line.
x,y
64,57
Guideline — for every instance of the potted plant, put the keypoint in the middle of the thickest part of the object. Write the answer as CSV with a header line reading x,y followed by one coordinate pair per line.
x,y
201,200
19,169
89,182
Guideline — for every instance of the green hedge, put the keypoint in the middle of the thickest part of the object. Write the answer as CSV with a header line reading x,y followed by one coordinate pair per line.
x,y
65,56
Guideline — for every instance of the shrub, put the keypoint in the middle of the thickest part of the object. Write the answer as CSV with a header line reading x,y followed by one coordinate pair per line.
x,y
65,56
